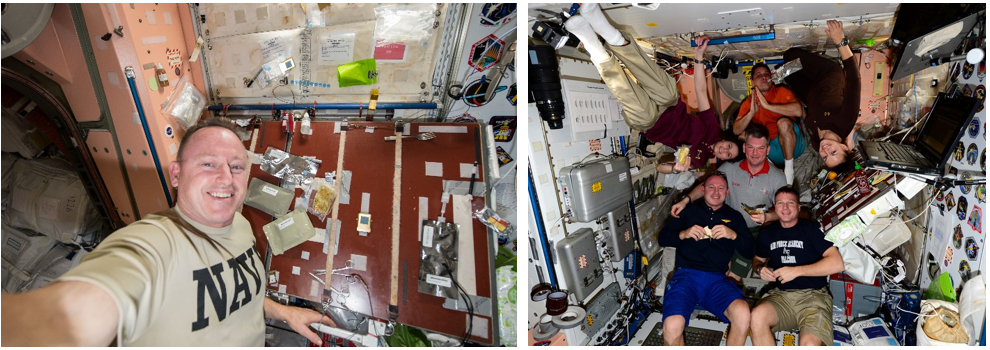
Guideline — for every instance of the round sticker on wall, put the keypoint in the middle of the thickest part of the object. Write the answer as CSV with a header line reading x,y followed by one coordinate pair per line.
x,y
971,154
961,208
967,70
974,128
964,270
960,151
940,196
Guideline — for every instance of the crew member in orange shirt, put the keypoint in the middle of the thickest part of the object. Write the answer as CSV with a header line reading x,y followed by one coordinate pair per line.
x,y
773,107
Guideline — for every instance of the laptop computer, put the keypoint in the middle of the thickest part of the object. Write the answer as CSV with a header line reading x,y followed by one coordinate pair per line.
x,y
930,152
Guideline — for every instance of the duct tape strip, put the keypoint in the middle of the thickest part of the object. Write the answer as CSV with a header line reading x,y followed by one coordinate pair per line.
x,y
556,303
545,329
540,292
570,318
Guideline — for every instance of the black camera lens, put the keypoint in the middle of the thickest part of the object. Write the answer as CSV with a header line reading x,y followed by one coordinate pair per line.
x,y
544,84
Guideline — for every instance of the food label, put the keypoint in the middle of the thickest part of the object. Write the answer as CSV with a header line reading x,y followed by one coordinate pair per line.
x,y
269,190
438,280
282,225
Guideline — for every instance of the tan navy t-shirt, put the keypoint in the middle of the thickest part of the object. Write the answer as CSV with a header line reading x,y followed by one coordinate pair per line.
x,y
170,295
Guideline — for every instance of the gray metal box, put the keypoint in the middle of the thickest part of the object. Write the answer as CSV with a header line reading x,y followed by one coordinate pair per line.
x,y
593,189
620,238
578,260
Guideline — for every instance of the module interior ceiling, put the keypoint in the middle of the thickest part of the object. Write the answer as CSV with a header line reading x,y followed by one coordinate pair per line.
x,y
670,27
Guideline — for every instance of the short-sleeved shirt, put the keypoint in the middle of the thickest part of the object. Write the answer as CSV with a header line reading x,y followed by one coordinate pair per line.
x,y
168,294
803,244
677,127
710,255
752,190
776,95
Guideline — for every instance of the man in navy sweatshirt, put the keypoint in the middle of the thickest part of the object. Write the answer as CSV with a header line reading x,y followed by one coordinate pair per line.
x,y
705,235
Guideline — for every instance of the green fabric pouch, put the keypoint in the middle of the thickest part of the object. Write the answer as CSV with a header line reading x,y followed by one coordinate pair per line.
x,y
289,231
269,198
363,72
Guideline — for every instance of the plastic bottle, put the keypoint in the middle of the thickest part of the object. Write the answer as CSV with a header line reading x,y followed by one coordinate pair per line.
x,y
861,181
161,74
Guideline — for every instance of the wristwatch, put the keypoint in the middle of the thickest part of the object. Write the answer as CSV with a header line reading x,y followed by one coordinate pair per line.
x,y
843,42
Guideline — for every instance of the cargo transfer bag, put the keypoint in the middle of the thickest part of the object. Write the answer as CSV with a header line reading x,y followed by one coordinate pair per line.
x,y
48,197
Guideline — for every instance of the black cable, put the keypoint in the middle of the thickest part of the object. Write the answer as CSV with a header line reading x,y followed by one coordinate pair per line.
x,y
467,298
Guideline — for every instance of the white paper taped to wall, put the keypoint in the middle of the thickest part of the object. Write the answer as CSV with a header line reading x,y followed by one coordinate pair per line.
x,y
337,47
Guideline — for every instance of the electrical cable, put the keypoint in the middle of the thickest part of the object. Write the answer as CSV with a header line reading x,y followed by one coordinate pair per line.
x,y
467,299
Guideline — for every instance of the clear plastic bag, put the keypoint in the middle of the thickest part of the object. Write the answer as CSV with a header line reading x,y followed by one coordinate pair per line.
x,y
787,69
320,197
185,104
404,22
491,219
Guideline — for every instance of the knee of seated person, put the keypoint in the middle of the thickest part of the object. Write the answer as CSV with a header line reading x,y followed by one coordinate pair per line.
x,y
785,126
738,312
760,317
673,326
808,339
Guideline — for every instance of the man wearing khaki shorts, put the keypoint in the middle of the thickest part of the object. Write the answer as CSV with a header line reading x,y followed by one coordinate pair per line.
x,y
794,254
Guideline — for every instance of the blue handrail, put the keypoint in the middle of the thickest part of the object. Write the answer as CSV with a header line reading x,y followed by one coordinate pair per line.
x,y
129,72
541,229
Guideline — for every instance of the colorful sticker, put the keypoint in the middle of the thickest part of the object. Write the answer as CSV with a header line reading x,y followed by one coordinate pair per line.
x,y
474,93
957,237
511,94
961,208
504,128
981,93
964,270
595,187
972,249
940,196
954,75
486,52
981,193
974,128
496,14
967,90
950,201
947,260
960,151
982,73
983,161
503,156
971,154
965,188
976,219
967,70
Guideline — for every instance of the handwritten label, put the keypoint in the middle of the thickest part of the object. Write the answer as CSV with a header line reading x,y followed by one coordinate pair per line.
x,y
282,225
269,190
437,280
427,236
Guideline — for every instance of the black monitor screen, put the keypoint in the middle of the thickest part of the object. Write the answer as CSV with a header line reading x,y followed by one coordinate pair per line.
x,y
948,118
918,48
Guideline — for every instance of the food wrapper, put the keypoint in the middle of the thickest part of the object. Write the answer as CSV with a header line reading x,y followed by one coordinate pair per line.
x,y
320,198
683,154
759,209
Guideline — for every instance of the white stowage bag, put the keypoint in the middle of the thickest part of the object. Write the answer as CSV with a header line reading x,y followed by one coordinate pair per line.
x,y
25,254
47,196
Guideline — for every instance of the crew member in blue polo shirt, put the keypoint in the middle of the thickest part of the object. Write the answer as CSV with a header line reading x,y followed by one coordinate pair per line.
x,y
706,234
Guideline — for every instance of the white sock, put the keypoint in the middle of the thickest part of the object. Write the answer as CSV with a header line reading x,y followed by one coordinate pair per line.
x,y
593,13
789,171
580,27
